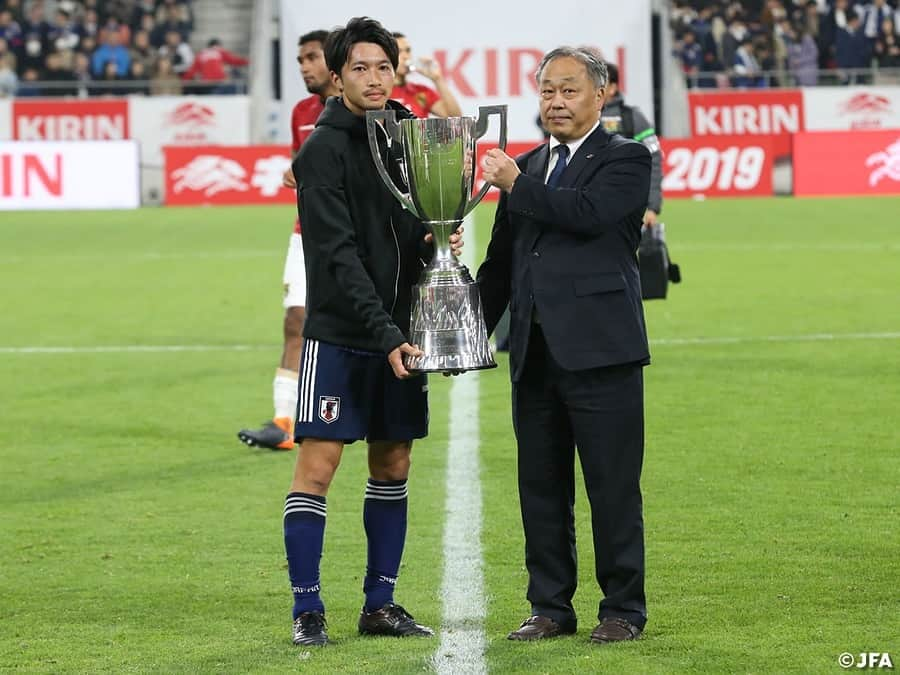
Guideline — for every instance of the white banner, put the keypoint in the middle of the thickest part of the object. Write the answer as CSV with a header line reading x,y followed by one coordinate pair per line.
x,y
5,119
489,50
69,175
187,120
849,108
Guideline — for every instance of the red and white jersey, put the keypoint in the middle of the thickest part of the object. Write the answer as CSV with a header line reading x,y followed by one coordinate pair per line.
x,y
210,64
418,98
303,121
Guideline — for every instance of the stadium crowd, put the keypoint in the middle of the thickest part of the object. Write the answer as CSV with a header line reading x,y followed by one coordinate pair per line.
x,y
763,43
93,47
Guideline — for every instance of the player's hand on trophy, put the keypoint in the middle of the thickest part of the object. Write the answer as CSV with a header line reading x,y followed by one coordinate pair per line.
x,y
288,179
456,241
395,358
429,68
500,169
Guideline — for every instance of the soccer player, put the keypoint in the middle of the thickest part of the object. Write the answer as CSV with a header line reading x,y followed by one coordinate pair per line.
x,y
422,101
364,253
279,433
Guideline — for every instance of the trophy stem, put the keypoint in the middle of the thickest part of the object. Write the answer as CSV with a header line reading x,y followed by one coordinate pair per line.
x,y
441,231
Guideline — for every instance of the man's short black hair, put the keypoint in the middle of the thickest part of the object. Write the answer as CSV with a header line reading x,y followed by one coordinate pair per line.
x,y
612,73
358,29
313,36
398,34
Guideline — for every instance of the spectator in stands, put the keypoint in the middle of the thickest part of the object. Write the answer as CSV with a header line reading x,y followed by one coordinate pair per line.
x,y
177,10
887,47
82,72
88,46
691,55
29,85
64,34
171,22
56,75
32,55
852,49
803,55
737,33
165,81
11,32
9,81
91,24
747,71
210,66
36,27
141,9
138,77
111,51
177,51
873,16
7,54
143,51
112,25
108,83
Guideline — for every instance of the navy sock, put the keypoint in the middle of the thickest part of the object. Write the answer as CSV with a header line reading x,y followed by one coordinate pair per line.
x,y
304,532
384,517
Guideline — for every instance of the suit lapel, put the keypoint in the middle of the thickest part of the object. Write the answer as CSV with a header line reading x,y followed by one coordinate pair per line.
x,y
536,167
587,153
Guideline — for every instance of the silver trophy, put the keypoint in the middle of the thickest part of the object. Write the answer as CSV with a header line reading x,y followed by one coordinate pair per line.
x,y
439,166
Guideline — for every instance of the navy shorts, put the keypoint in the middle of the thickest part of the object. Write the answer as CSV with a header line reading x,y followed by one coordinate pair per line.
x,y
349,395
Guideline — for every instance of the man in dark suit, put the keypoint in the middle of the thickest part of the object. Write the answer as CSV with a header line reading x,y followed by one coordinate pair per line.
x,y
563,256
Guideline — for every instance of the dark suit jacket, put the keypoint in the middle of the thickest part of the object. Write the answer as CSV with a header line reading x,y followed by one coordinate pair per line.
x,y
569,254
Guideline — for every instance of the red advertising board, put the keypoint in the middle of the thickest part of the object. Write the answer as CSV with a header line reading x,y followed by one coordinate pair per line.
x,y
759,112
47,120
717,166
847,163
224,174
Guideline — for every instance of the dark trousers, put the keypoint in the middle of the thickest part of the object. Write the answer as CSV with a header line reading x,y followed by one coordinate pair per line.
x,y
601,412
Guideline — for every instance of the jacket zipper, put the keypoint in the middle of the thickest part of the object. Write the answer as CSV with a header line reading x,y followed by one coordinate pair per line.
x,y
397,277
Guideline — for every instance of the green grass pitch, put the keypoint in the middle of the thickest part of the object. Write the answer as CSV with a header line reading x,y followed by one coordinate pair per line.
x,y
138,535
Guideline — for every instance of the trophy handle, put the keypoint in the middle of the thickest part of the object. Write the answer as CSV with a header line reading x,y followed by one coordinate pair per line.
x,y
481,127
392,129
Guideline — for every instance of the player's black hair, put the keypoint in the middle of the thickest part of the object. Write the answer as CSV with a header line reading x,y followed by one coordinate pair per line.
x,y
313,36
359,29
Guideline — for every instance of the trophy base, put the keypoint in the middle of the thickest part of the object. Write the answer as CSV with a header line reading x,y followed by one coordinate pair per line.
x,y
447,323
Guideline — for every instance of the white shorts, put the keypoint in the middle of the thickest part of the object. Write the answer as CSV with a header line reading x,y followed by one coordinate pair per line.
x,y
295,274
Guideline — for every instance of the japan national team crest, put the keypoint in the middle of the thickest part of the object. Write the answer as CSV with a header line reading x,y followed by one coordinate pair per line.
x,y
329,408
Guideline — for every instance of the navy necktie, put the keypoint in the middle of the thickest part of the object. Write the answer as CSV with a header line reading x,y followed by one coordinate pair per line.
x,y
562,151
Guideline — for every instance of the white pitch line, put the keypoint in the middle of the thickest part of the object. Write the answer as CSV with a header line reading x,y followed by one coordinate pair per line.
x,y
127,349
146,256
720,340
789,246
814,337
463,642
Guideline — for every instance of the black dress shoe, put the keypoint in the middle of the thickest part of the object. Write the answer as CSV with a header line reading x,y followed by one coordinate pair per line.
x,y
614,629
391,620
538,628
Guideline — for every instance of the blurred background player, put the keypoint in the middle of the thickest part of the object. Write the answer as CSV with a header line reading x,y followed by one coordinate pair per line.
x,y
279,433
619,118
422,101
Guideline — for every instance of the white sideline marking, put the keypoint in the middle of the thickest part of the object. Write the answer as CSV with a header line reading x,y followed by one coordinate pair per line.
x,y
813,337
161,349
789,246
148,256
124,349
463,642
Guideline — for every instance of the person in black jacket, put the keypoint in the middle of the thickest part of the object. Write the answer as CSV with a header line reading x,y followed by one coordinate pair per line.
x,y
562,255
363,254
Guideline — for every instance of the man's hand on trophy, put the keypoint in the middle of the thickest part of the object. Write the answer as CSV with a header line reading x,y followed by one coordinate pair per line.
x,y
500,169
395,358
456,241
288,179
